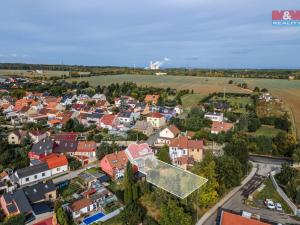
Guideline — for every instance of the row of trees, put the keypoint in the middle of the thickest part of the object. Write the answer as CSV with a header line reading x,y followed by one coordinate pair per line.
x,y
110,70
195,121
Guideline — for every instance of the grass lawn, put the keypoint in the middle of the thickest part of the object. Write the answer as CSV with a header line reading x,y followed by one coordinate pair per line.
x,y
93,170
114,186
270,192
236,100
191,100
113,221
264,130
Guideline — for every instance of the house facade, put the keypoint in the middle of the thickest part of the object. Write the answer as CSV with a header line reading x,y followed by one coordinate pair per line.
x,y
216,117
33,173
16,137
81,207
166,135
182,146
86,148
57,163
138,154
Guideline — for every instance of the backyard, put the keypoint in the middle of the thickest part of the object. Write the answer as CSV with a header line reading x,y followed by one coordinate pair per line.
x,y
191,100
265,130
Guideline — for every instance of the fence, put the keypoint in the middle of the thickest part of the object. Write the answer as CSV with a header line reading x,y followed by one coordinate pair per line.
x,y
281,192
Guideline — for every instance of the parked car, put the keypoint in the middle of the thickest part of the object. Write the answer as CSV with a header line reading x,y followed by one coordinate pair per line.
x,y
278,207
270,204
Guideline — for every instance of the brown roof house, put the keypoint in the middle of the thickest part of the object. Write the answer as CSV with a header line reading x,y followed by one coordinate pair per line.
x,y
144,127
114,164
81,207
166,135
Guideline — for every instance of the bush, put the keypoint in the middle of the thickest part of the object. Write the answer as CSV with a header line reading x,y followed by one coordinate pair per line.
x,y
19,219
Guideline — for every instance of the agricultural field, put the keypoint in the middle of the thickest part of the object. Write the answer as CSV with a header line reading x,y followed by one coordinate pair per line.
x,y
285,90
30,73
198,84
191,100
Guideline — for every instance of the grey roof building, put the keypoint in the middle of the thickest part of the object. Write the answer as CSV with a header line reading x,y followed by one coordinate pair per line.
x,y
37,192
66,146
17,201
43,146
31,170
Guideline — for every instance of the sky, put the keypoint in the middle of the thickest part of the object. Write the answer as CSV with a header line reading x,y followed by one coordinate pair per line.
x,y
190,33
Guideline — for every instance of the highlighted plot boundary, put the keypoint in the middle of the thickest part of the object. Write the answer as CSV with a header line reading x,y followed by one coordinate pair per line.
x,y
172,179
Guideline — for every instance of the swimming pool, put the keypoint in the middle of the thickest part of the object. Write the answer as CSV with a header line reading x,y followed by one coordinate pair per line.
x,y
93,218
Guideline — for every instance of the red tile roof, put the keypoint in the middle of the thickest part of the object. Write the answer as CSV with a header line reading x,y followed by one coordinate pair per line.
x,y
117,159
233,219
48,221
155,115
36,132
108,119
221,126
86,146
174,130
139,150
80,204
185,160
184,143
66,136
55,160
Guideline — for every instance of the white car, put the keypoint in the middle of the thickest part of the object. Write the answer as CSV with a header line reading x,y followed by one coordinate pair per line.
x,y
270,204
278,207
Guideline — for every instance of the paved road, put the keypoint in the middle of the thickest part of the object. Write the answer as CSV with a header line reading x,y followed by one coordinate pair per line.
x,y
236,202
269,160
70,175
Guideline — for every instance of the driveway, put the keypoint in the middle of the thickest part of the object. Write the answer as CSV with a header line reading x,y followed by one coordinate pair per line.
x,y
236,202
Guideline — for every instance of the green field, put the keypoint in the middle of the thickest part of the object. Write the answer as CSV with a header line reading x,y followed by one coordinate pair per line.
x,y
30,73
191,100
288,91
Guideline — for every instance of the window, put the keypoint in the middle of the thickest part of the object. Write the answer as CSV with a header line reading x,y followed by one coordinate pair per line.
x,y
13,137
50,196
27,179
58,169
43,174
35,176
